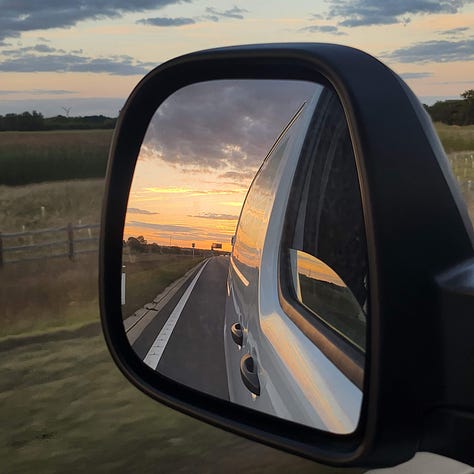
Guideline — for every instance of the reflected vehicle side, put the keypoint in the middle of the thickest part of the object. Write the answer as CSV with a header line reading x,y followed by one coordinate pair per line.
x,y
296,307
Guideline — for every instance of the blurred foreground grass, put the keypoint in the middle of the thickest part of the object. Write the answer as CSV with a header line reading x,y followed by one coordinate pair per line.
x,y
66,408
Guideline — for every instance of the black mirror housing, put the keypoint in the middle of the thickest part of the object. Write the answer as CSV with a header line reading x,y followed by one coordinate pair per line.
x,y
417,232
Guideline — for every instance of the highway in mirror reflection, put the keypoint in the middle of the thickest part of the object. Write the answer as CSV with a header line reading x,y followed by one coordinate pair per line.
x,y
180,334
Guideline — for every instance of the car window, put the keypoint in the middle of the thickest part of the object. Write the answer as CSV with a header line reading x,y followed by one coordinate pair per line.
x,y
326,256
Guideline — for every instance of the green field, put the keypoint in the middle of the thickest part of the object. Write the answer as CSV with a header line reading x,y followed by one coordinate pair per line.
x,y
66,408
33,157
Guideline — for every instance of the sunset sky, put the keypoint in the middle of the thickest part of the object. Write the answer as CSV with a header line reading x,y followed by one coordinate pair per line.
x,y
202,149
89,54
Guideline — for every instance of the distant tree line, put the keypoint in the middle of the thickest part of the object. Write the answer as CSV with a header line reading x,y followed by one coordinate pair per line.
x,y
35,121
140,245
454,112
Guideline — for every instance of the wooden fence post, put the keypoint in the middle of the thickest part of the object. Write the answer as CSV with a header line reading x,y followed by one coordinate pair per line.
x,y
70,238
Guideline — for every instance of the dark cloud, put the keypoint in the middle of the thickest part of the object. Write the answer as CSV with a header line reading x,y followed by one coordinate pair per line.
x,y
134,210
445,83
20,16
434,51
238,176
455,31
376,12
224,125
323,29
211,14
166,22
38,92
162,227
415,75
70,62
39,48
223,217
195,236
236,13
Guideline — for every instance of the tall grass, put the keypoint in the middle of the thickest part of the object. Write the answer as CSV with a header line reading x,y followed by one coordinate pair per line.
x,y
52,204
33,157
455,138
48,294
148,275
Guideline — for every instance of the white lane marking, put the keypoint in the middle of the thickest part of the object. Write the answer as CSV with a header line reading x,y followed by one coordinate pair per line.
x,y
158,347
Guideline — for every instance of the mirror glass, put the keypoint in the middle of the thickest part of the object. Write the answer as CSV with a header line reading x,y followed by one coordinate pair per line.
x,y
200,301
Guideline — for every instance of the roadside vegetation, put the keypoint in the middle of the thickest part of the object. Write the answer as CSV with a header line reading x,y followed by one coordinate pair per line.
x,y
50,204
48,294
35,157
147,275
454,112
455,137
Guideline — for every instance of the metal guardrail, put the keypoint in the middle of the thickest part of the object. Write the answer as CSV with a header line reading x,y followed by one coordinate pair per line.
x,y
73,243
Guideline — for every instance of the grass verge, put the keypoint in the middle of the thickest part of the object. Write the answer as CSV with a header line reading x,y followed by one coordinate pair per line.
x,y
149,275
62,202
66,408
48,294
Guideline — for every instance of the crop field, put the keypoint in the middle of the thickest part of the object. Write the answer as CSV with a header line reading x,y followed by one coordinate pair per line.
x,y
33,157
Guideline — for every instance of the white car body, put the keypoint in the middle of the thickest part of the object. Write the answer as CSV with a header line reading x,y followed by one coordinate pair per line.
x,y
297,381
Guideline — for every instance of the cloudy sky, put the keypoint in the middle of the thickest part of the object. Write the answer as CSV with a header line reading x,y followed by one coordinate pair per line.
x,y
89,54
202,149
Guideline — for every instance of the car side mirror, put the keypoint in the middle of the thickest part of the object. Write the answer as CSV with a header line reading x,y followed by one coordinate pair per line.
x,y
331,293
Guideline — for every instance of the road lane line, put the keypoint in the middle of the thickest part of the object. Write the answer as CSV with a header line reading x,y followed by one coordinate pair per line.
x,y
158,347
138,322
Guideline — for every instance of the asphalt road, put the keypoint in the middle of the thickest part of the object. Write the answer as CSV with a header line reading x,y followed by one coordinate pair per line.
x,y
186,338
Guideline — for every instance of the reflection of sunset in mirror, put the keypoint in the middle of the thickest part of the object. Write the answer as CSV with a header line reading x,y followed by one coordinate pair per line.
x,y
316,269
174,207
201,151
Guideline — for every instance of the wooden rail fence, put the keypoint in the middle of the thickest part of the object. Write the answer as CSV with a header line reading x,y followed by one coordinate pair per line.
x,y
67,241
